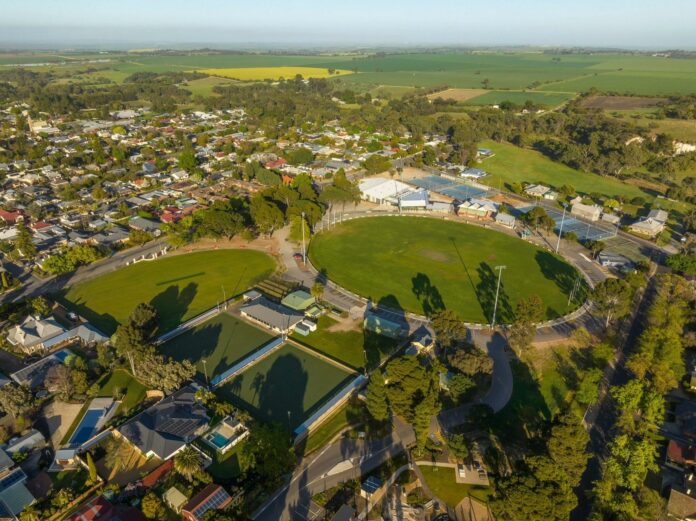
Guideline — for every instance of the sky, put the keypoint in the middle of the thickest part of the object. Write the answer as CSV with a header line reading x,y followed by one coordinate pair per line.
x,y
642,24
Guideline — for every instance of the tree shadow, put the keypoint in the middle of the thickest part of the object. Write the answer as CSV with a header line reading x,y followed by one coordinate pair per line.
x,y
384,326
486,291
172,304
427,294
280,397
556,270
195,346
466,269
105,322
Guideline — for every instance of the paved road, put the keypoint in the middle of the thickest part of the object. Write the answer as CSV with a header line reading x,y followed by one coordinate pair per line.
x,y
33,286
338,462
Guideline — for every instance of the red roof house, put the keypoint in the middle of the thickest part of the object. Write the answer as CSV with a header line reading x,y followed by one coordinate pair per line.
x,y
211,497
11,217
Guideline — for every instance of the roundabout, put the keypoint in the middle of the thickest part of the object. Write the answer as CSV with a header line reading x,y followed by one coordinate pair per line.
x,y
423,265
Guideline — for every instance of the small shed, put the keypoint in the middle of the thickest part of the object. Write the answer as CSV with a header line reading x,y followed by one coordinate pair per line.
x,y
298,300
175,499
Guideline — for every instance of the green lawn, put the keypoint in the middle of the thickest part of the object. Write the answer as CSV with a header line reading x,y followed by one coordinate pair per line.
x,y
513,164
225,467
133,389
349,347
179,287
286,386
204,86
423,265
442,481
222,341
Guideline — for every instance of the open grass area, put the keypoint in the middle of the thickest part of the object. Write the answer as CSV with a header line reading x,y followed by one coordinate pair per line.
x,y
225,467
350,414
513,164
442,481
204,86
274,73
179,286
222,341
122,380
286,386
350,347
424,265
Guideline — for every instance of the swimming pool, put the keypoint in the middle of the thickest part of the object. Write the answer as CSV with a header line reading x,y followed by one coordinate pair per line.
x,y
87,427
218,440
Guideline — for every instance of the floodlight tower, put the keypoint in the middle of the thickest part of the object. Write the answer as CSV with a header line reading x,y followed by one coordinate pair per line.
x,y
560,230
304,249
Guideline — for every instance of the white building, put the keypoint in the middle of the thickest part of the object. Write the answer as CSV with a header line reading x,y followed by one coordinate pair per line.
x,y
383,191
591,212
652,225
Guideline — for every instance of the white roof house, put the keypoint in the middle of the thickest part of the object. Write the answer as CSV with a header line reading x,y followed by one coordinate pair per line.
x,y
590,212
650,226
505,219
537,190
383,191
31,334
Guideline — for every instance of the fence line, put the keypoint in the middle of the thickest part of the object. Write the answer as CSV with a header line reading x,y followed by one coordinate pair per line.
x,y
247,362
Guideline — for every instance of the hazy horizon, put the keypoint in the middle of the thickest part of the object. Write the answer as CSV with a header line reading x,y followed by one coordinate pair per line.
x,y
275,24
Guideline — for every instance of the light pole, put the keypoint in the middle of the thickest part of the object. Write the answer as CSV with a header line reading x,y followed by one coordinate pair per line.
x,y
304,250
497,292
224,296
560,230
205,371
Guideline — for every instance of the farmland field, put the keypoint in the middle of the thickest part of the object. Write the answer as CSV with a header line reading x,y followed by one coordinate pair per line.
x,y
179,287
287,386
221,341
273,73
204,86
496,97
458,94
425,265
513,164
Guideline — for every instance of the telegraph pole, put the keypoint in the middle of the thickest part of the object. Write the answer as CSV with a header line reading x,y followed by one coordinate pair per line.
x,y
499,269
304,250
560,231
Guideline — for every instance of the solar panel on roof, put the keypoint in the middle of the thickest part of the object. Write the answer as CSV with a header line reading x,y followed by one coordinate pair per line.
x,y
13,478
213,502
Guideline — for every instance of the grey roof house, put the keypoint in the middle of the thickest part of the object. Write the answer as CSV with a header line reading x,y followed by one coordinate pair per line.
x,y
31,334
165,428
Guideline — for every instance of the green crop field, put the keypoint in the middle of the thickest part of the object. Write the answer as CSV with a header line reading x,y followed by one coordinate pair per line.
x,y
179,287
204,86
424,265
287,386
513,164
222,341
496,97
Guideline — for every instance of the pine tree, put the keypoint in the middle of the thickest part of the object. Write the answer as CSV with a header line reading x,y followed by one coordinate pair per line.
x,y
376,399
93,476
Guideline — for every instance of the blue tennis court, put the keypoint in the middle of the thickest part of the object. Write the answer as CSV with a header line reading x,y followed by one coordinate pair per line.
x,y
87,427
450,187
584,230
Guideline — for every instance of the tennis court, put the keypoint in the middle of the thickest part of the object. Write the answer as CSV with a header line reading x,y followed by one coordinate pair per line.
x,y
221,341
450,187
583,229
287,386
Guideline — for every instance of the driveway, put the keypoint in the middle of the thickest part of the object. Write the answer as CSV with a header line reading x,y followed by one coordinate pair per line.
x,y
56,418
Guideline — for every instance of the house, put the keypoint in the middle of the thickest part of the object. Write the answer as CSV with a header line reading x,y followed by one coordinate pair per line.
x,y
473,173
612,260
11,218
591,212
422,340
680,455
14,495
537,191
30,441
33,332
298,300
682,499
505,219
211,497
165,428
145,225
480,208
276,317
611,218
94,510
387,324
652,225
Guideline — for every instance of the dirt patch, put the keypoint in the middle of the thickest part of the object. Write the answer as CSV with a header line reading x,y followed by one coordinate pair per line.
x,y
437,256
458,94
620,102
344,324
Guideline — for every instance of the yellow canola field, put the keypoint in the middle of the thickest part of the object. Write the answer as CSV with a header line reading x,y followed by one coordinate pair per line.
x,y
274,73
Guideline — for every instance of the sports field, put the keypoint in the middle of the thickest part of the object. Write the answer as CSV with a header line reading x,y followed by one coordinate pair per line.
x,y
222,341
179,287
286,387
513,164
273,73
425,265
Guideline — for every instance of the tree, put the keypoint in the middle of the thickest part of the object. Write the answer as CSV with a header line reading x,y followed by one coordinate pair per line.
x,y
268,452
448,328
683,263
317,291
24,242
266,215
118,453
187,462
457,446
164,373
459,385
377,163
471,361
528,312
187,158
153,507
92,469
297,224
59,378
132,339
612,298
299,156
16,399
376,397
41,306
588,390
139,237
